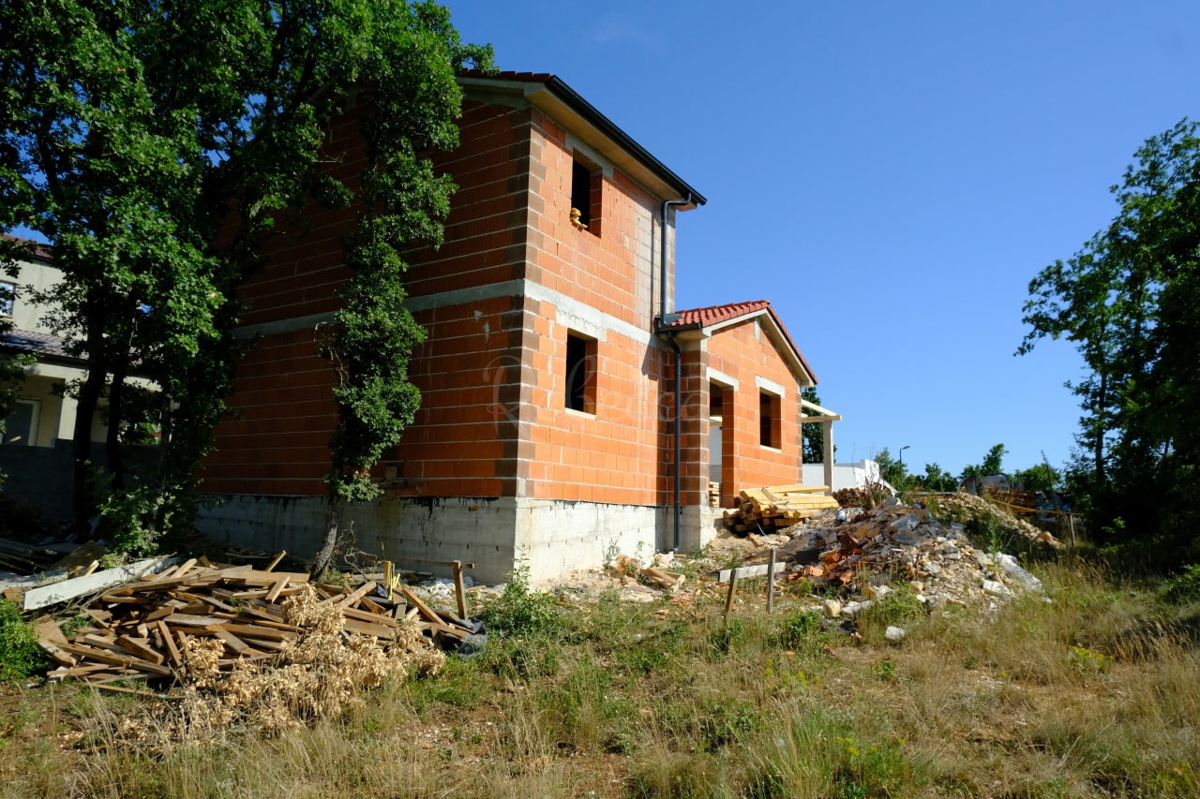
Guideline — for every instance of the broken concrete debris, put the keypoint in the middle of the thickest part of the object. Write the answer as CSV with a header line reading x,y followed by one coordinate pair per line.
x,y
860,551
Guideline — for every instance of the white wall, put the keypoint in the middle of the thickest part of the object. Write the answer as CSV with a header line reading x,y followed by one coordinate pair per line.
x,y
845,475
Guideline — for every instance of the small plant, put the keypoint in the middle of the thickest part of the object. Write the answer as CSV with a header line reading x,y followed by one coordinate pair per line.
x,y
899,607
1184,587
798,630
1088,662
520,610
725,722
20,656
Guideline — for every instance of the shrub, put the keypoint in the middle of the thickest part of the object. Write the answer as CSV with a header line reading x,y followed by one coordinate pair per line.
x,y
1184,587
20,656
521,611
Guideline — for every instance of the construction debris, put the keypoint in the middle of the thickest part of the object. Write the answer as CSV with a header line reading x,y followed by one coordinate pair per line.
x,y
771,507
895,542
164,625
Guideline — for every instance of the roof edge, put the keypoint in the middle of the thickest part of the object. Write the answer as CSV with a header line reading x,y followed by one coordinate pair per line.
x,y
593,116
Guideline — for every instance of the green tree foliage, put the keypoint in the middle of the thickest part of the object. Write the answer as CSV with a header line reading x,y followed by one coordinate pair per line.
x,y
893,470
155,147
813,433
993,463
936,479
1128,300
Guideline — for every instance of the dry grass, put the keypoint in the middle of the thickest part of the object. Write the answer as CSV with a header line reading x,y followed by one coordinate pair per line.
x,y
1093,694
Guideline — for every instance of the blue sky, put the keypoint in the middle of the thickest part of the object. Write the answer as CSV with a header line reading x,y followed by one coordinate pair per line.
x,y
889,175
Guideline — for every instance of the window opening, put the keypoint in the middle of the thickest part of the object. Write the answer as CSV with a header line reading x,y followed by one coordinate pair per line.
x,y
20,428
581,374
769,433
8,294
585,197
716,421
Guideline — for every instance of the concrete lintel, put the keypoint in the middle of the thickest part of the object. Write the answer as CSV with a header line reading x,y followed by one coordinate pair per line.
x,y
770,385
722,379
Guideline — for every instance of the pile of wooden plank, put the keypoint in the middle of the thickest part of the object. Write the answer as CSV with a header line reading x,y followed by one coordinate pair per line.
x,y
137,629
773,507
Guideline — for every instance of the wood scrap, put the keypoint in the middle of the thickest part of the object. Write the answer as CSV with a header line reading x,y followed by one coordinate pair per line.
x,y
773,507
140,625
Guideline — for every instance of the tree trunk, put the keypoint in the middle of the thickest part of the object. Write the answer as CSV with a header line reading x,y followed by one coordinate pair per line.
x,y
333,513
112,442
84,486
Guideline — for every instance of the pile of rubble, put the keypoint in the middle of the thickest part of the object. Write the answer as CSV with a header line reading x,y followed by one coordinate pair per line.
x,y
894,543
968,508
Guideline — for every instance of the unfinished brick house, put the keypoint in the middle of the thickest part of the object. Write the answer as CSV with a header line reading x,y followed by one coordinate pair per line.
x,y
553,428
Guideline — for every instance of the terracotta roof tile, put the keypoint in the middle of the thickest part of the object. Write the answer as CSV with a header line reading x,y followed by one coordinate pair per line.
x,y
715,314
700,318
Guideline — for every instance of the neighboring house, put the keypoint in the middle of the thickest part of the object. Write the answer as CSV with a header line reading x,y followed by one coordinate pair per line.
x,y
547,431
36,449
42,416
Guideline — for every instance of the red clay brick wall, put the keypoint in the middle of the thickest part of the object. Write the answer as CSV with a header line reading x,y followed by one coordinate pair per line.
x,y
486,233
463,440
744,352
279,441
618,454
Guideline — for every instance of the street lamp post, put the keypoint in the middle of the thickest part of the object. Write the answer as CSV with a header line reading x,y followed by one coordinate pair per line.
x,y
906,446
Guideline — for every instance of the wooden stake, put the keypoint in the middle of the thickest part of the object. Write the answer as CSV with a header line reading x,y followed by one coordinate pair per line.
x,y
771,583
275,562
733,580
460,593
388,572
1071,525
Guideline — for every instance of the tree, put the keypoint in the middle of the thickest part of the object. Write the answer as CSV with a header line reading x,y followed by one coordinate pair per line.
x,y
155,147
936,479
814,432
993,461
894,471
1127,300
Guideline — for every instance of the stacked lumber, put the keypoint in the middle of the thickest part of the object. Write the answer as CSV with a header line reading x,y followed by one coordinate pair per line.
x,y
139,629
714,494
778,506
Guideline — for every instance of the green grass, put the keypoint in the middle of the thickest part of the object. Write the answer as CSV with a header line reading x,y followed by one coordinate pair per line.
x,y
1095,693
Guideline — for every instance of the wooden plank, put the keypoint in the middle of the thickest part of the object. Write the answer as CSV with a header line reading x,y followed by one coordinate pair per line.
x,y
114,659
367,628
367,616
168,640
359,593
266,622
257,631
190,620
231,640
460,593
76,671
92,583
269,578
141,649
429,614
275,562
725,575
277,587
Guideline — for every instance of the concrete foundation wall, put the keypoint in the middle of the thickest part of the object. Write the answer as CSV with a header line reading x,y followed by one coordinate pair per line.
x,y
552,537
